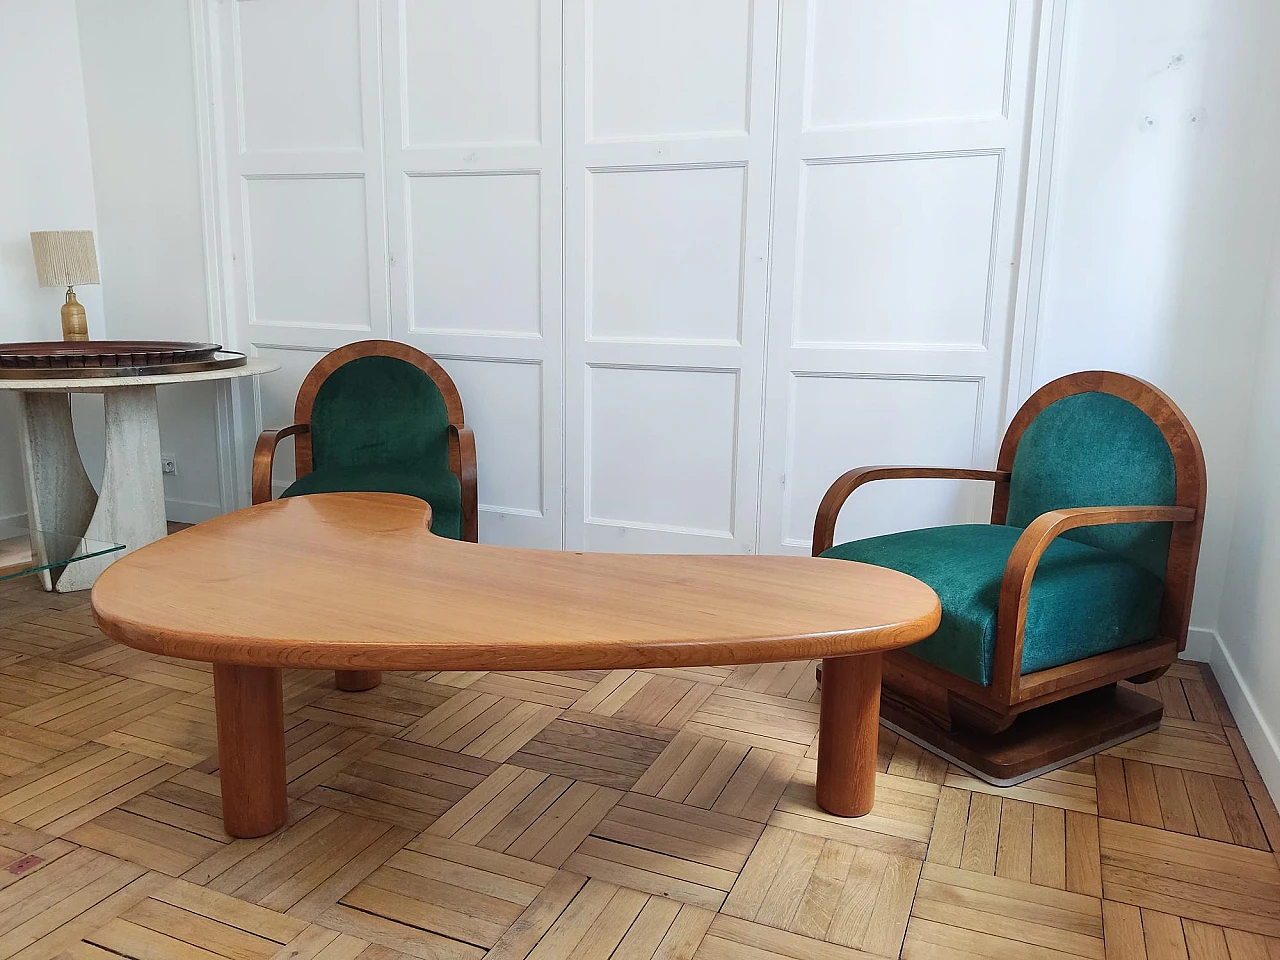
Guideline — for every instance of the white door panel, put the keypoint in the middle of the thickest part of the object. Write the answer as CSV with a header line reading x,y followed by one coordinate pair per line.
x,y
473,72
898,182
474,245
873,62
307,253
667,68
300,76
505,407
895,251
882,420
687,260
668,157
665,258
394,171
473,202
303,160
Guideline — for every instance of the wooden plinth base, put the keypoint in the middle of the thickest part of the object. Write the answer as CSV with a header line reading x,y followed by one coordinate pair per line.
x,y
1040,740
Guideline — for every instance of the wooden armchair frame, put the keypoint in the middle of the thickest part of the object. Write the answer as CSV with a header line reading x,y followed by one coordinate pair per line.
x,y
462,442
992,709
462,447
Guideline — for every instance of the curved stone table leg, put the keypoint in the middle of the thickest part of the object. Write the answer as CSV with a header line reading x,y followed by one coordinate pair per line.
x,y
60,498
130,506
848,734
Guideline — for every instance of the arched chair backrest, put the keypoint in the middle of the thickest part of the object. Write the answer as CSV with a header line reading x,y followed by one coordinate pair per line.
x,y
376,401
1098,439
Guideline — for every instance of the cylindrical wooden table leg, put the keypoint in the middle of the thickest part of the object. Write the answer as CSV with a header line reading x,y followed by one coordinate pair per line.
x,y
250,706
848,734
354,681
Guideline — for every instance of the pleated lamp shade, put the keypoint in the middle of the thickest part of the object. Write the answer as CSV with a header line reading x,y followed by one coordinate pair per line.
x,y
64,258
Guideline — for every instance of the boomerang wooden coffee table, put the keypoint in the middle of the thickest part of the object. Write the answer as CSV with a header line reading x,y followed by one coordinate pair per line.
x,y
354,582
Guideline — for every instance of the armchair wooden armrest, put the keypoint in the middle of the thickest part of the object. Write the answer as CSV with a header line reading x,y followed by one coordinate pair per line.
x,y
1011,615
264,456
462,462
824,525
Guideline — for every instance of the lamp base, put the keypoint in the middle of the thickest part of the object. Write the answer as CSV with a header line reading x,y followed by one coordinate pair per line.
x,y
75,325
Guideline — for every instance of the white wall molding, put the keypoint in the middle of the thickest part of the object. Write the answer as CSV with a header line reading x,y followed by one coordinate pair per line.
x,y
190,511
237,406
1262,741
455,186
1201,643
1037,203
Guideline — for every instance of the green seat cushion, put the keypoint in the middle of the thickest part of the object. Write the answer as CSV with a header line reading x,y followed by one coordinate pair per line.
x,y
440,489
1084,600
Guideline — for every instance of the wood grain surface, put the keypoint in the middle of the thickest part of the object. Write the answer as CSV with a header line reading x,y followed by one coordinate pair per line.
x,y
846,784
355,581
251,754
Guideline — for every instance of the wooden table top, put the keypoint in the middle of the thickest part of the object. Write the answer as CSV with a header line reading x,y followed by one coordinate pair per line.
x,y
356,581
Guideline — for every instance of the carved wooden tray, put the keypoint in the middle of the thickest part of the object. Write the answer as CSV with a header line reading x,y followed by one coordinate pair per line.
x,y
63,354
57,359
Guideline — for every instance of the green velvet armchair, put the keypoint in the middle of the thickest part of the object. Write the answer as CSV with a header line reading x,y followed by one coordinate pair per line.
x,y
1083,578
379,416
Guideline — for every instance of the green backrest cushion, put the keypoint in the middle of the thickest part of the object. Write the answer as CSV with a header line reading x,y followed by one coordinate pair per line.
x,y
1096,450
379,411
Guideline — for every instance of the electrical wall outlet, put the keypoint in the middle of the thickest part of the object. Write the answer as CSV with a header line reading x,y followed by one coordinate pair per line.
x,y
168,466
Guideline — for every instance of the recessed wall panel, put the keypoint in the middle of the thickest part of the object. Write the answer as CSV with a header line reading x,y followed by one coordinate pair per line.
x,y
299,74
661,447
887,61
472,71
838,423
502,401
475,242
666,253
308,253
896,251
668,67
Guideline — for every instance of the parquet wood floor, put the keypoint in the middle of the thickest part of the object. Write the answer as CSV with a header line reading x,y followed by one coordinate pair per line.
x,y
630,815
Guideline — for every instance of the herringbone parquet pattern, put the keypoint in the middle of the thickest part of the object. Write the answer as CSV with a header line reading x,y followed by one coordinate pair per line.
x,y
598,814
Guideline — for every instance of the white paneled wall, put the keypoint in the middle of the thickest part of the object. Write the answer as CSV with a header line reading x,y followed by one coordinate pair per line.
x,y
668,157
901,132
473,154
687,260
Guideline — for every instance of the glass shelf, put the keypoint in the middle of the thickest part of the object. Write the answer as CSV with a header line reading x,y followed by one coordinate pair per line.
x,y
24,551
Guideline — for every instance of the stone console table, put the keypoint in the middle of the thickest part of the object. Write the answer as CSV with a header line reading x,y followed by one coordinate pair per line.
x,y
60,498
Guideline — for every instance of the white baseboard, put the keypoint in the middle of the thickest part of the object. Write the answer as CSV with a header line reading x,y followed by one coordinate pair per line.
x,y
179,511
1201,643
190,511
1261,740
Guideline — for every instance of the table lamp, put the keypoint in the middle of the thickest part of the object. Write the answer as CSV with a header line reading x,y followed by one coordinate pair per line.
x,y
65,258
